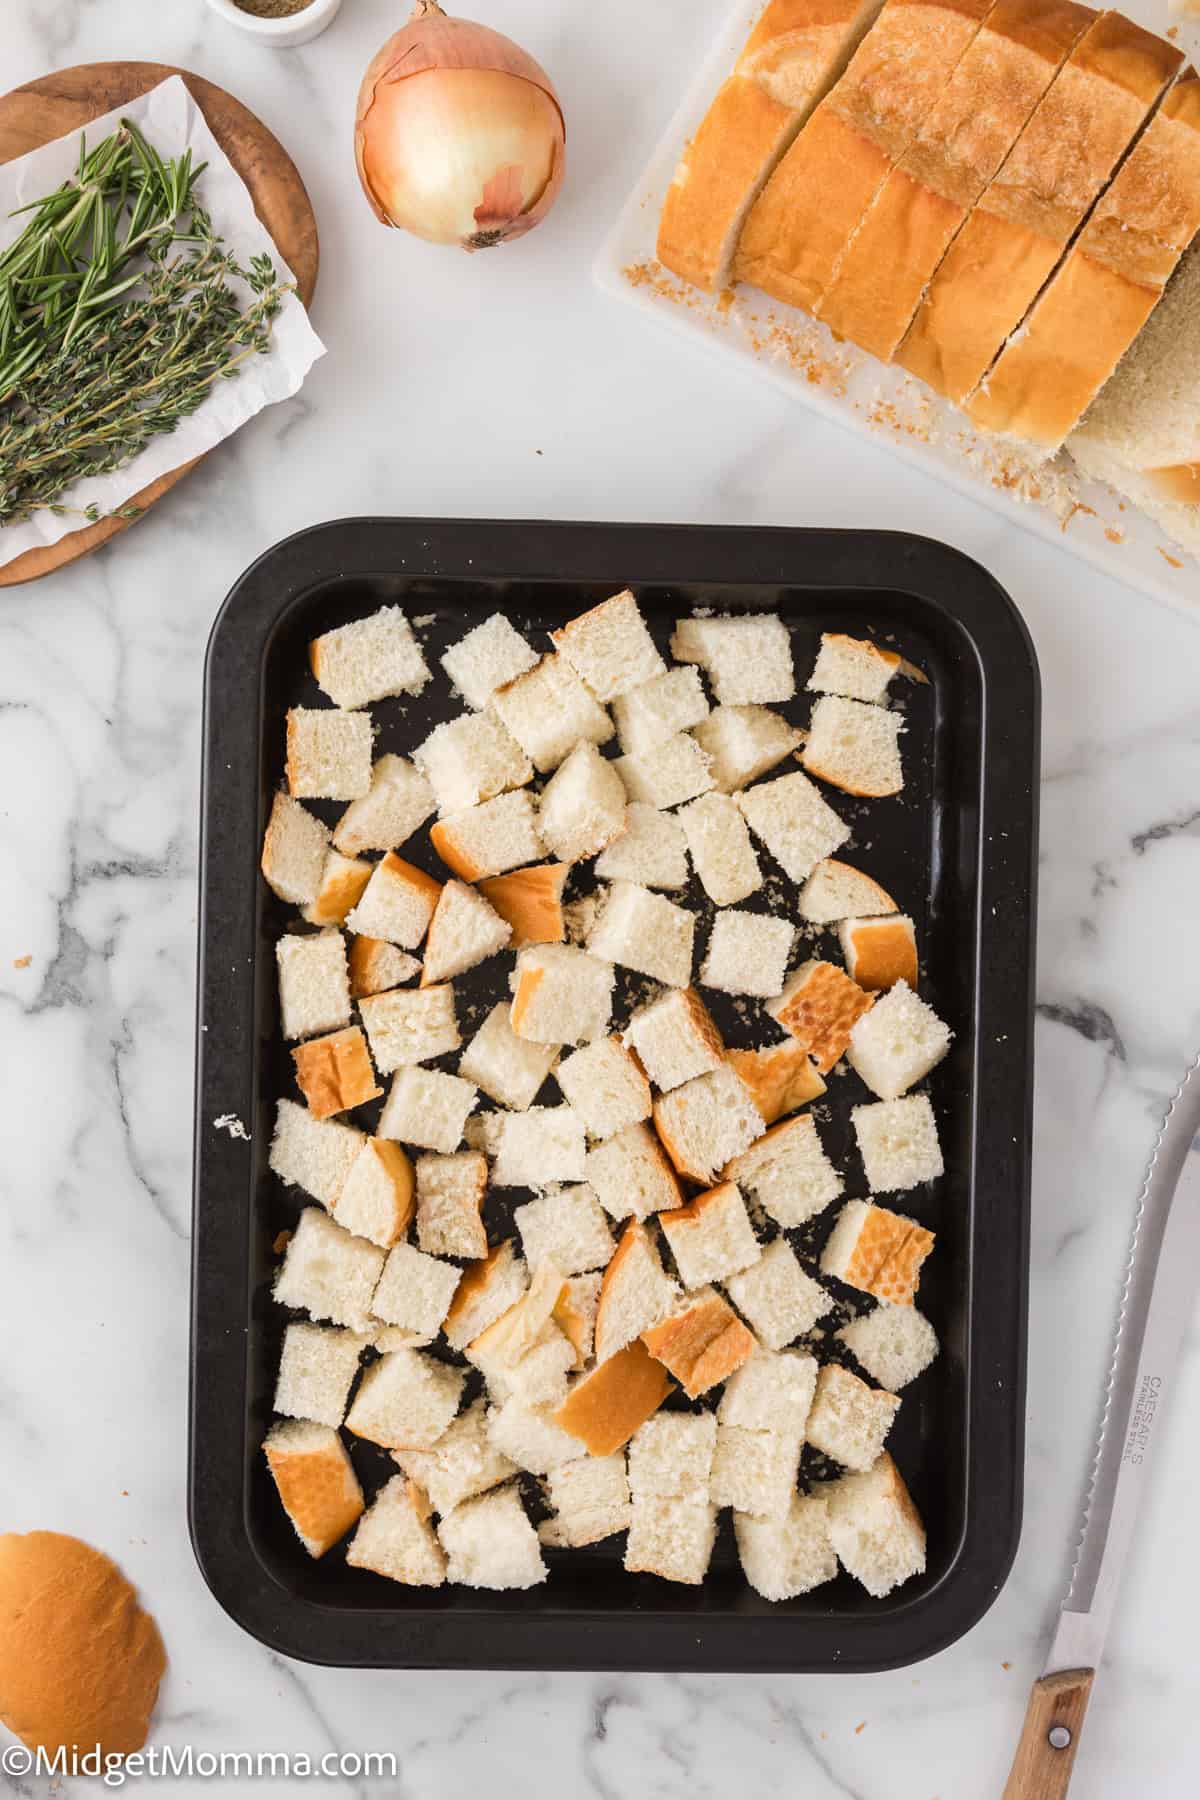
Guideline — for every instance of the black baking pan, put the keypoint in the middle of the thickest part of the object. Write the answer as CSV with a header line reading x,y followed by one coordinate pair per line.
x,y
958,849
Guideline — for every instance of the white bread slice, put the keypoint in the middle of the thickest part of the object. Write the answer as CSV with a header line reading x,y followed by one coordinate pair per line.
x,y
788,1172
315,1481
414,1290
582,806
334,1073
747,953
659,708
489,1543
876,1250
635,1293
540,1145
794,823
748,657
645,931
369,659
606,1406
605,1085
376,1200
755,1471
397,803
779,1299
470,759
855,667
672,1453
897,1042
631,1176
530,1437
463,932
780,1077
317,1367
327,1273
530,900
489,839
674,770
855,747
450,1195
561,995
486,1292
397,903
314,983
880,952
849,1420
410,1025
702,1343
428,1109
567,1228
822,1008
549,710
489,657
711,1237
315,1155
509,1069
894,1344
672,1538
343,879
405,1401
464,1462
771,1393
396,1539
721,850
706,1123
744,742
294,852
590,1501
328,753
898,1142
610,647
835,891
783,1558
652,849
875,1528
674,1039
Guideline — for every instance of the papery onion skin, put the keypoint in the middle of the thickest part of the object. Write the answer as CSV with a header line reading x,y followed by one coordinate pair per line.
x,y
459,136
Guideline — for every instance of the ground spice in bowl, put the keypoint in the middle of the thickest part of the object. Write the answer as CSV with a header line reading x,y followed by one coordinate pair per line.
x,y
272,9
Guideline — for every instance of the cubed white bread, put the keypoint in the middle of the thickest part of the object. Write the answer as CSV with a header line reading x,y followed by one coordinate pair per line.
x,y
464,1462
369,659
482,1132
634,1294
549,710
880,952
405,1400
489,1543
658,709
778,1298
590,1501
576,1314
530,901
606,1086
645,931
508,1068
711,1237
450,1196
788,1173
744,742
428,1109
849,1420
701,1343
463,932
671,1538
877,1250
875,1528
489,657
561,995
316,1372
610,647
396,1539
328,754
607,1404
315,1481
488,839
898,1143
313,1154
414,1290
782,1558
897,1043
314,983
397,803
517,1331
755,1471
835,891
894,1344
819,1006
771,1392
566,1227
677,769
855,747
794,822
376,1200
705,1123
853,667
582,806
544,1144
334,1073
723,855
529,1437
294,852
652,849
540,1377
341,886
671,1454
397,903
675,1039
747,954
631,1175
488,1289
748,658
469,759
780,1077
328,1273
410,1025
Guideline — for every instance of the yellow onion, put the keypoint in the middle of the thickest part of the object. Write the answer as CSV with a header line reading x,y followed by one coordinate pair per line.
x,y
458,135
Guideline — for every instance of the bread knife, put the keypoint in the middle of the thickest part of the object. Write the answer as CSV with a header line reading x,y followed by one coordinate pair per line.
x,y
1157,1304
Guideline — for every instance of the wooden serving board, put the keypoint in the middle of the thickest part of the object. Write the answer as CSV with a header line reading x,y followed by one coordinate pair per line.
x,y
71,98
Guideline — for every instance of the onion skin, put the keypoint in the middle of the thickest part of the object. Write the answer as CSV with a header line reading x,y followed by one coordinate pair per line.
x,y
459,136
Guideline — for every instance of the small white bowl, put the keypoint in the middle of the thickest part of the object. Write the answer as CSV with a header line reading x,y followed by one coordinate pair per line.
x,y
285,33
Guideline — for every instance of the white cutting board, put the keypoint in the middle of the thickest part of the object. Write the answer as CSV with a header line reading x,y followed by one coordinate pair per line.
x,y
799,354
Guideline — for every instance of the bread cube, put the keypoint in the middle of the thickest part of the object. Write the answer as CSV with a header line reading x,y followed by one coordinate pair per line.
x,y
334,1073
508,1068
549,710
782,1558
852,666
397,803
672,1454
894,1344
610,647
652,849
582,806
875,1528
405,1400
565,1227
397,903
711,1237
489,657
671,1538
395,1537
605,1085
744,742
530,901
880,952
530,1438
722,852
489,1543
876,1250
777,1297
428,1109
414,1290
314,984
631,1175
295,847
500,1348
821,1006
328,753
539,1378
469,759
486,840
748,658
855,747
410,1025
646,932
747,954
343,879
605,1407
779,1077
658,709
706,1123
463,932
544,1144
315,1480
450,1196
835,891
849,1421
634,1295
464,1462
668,773
561,995
487,1291
575,1314
482,1132
788,1173
675,1039
898,1142
771,1392
590,1498
755,1471
702,1343
369,659
312,1154
898,1043
797,827
327,1273
376,1201
316,1372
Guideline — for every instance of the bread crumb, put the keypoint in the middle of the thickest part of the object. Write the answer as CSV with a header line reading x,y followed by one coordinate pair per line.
x,y
859,1728
1113,536
22,962
282,1240
233,1125
1167,557
1006,1665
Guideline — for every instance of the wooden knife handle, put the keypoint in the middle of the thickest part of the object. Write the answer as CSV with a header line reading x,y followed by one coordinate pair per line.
x,y
1050,1737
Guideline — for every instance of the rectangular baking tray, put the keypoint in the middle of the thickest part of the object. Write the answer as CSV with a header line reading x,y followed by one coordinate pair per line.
x,y
958,848
800,355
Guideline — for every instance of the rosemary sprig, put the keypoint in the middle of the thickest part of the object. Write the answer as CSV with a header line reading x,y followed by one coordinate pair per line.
x,y
117,316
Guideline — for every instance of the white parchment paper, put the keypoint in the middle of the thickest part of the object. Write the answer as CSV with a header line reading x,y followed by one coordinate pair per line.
x,y
172,122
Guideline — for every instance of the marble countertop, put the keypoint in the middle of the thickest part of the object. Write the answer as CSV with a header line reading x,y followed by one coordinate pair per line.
x,y
505,385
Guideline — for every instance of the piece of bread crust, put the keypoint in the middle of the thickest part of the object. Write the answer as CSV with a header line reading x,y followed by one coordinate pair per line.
x,y
605,1408
531,902
334,1073
703,1344
820,1006
316,1482
877,1250
780,1077
880,952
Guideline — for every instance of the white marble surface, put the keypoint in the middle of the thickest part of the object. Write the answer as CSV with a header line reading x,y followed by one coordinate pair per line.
x,y
503,385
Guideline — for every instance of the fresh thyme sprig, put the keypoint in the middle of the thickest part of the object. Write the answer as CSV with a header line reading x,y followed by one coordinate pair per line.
x,y
117,316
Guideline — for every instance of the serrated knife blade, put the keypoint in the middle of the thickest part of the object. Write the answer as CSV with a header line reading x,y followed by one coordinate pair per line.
x,y
1157,1304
